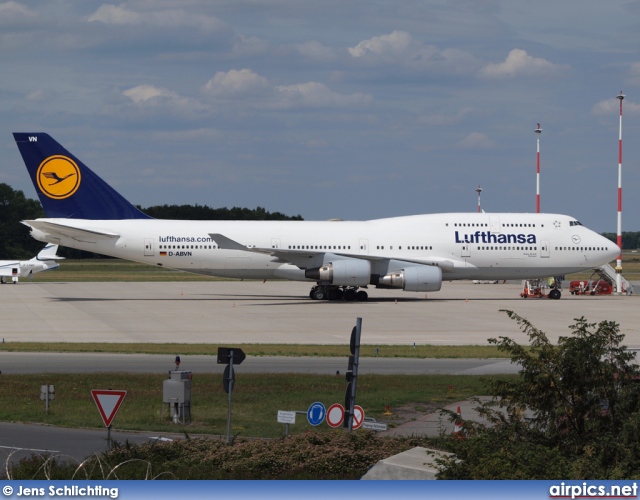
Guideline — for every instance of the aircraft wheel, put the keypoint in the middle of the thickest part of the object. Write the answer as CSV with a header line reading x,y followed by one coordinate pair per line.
x,y
361,296
319,294
555,294
312,293
332,295
349,295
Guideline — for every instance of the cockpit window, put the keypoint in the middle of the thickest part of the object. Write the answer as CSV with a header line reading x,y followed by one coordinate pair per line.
x,y
575,223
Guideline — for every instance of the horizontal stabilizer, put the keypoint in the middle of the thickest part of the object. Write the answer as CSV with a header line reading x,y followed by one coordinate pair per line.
x,y
58,230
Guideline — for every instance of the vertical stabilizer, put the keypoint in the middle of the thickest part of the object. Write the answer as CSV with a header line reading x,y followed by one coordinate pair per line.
x,y
67,188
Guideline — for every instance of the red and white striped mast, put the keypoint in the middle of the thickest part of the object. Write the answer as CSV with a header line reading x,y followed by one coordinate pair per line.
x,y
619,241
538,131
478,190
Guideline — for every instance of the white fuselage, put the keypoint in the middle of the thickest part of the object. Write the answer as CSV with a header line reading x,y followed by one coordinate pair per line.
x,y
463,245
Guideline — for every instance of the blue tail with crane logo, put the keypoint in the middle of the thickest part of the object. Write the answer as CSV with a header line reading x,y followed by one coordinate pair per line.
x,y
67,188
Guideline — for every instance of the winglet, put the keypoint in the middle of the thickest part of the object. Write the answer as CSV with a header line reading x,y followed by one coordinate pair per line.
x,y
227,243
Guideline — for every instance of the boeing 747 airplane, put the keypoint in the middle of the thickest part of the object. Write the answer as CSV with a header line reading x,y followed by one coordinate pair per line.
x,y
413,253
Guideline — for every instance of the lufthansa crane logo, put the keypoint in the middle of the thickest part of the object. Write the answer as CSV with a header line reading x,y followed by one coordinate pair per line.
x,y
58,177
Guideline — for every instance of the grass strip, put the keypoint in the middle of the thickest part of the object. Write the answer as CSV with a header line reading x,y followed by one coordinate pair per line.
x,y
256,400
382,351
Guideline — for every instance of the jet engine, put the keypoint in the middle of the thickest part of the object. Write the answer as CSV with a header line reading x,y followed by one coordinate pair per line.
x,y
347,272
413,279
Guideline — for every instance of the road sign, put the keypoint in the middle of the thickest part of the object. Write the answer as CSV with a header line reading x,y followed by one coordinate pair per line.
x,y
316,413
286,417
224,355
108,402
335,415
358,417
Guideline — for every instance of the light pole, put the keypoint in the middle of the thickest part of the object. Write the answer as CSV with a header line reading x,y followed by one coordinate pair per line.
x,y
538,131
619,241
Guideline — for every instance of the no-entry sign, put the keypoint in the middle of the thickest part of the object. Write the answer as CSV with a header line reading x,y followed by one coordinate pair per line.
x,y
335,415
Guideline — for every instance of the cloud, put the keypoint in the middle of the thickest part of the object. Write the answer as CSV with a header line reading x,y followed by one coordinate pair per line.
x,y
42,95
611,107
247,85
476,140
114,14
143,93
520,64
400,49
155,107
315,51
439,119
14,9
634,74
120,15
384,46
317,95
238,84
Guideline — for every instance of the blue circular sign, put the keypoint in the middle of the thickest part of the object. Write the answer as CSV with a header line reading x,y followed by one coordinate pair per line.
x,y
316,413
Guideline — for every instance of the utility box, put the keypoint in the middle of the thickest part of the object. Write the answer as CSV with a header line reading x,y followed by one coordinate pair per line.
x,y
176,392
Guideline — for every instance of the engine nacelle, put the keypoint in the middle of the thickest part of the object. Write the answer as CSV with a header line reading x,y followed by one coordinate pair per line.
x,y
344,272
414,279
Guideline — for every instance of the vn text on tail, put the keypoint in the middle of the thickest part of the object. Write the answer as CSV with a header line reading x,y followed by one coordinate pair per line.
x,y
338,258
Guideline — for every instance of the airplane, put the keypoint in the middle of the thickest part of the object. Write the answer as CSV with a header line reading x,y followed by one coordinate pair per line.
x,y
44,261
339,258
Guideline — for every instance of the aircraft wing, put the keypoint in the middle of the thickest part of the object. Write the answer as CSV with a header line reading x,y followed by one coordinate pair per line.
x,y
302,258
59,230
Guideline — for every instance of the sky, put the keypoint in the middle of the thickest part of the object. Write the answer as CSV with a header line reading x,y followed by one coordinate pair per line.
x,y
328,109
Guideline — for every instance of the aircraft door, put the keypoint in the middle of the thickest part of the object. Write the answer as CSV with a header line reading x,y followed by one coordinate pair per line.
x,y
544,249
465,250
364,247
148,247
494,223
275,242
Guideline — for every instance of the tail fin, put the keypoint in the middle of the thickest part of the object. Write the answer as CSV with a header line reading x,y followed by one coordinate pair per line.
x,y
49,253
66,187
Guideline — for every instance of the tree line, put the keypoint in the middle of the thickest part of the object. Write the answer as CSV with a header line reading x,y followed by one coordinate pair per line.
x,y
17,243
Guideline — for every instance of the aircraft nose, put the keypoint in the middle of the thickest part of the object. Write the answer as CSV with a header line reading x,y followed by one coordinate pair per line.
x,y
613,250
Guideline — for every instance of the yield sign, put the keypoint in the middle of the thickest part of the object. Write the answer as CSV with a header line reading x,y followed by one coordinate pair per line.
x,y
358,417
108,403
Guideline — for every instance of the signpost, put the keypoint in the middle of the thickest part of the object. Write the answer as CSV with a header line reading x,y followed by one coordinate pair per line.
x,y
352,375
287,418
47,393
108,402
229,356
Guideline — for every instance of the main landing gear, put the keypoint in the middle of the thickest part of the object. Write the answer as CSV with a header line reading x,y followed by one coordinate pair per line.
x,y
333,292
